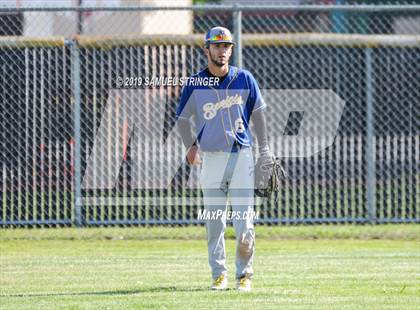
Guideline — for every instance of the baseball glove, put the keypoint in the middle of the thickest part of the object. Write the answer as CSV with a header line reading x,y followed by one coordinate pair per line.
x,y
268,173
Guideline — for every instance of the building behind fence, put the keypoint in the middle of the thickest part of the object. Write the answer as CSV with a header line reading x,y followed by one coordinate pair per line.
x,y
60,104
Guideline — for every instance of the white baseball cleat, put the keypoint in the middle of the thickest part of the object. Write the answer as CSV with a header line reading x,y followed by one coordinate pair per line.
x,y
220,283
243,284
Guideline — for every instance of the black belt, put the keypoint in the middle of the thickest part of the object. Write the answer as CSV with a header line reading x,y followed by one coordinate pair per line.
x,y
236,147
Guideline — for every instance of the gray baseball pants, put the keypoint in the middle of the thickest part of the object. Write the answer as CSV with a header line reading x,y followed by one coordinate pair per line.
x,y
229,179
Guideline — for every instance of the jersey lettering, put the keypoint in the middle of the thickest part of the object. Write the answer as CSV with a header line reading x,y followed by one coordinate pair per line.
x,y
210,109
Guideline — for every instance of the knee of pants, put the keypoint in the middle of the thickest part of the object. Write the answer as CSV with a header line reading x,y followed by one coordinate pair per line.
x,y
215,228
242,225
246,242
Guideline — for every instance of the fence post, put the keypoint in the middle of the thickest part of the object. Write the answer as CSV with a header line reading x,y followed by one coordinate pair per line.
x,y
369,156
75,63
338,22
237,32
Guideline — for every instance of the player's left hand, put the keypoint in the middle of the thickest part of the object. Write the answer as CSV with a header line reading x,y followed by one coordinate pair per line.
x,y
268,173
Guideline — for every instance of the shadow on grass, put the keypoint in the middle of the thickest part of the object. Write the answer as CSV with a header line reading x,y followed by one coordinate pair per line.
x,y
158,289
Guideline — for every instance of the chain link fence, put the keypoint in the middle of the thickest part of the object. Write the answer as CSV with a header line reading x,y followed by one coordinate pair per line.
x,y
83,143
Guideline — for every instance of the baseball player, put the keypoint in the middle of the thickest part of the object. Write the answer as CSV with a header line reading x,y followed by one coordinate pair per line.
x,y
221,117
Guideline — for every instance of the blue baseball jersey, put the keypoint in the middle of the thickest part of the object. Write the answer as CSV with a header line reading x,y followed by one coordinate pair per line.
x,y
222,112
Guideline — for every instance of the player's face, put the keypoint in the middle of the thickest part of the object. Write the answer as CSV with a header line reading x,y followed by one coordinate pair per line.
x,y
219,53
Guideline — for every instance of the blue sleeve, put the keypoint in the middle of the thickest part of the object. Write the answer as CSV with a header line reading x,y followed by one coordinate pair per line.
x,y
185,107
256,100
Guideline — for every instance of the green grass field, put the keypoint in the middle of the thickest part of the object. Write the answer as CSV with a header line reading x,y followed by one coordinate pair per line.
x,y
303,267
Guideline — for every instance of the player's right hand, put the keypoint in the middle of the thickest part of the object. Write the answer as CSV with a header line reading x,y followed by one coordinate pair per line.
x,y
193,156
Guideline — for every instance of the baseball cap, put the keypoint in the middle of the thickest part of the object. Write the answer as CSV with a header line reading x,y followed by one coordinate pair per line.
x,y
219,35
